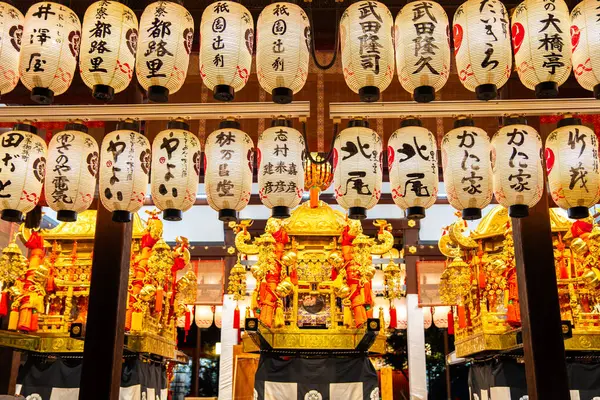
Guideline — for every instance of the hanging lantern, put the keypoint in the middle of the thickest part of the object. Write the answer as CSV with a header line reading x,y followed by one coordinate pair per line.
x,y
70,182
586,49
124,168
203,317
282,50
109,43
422,41
228,159
357,157
175,169
402,313
440,316
280,157
218,316
366,35
11,30
52,35
482,47
227,32
517,167
163,53
22,171
542,45
413,168
572,167
427,317
467,168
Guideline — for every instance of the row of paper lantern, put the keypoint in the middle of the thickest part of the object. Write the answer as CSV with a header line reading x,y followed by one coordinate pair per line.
x,y
42,47
474,169
437,316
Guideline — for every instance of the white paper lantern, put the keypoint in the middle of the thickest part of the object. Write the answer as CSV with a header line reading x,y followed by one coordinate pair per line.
x,y
572,167
227,41
280,159
467,168
482,46
218,316
517,167
542,45
176,160
427,317
11,31
401,310
228,161
282,50
422,48
367,45
358,173
413,168
22,171
585,30
163,52
70,183
124,168
440,316
49,50
108,46
203,316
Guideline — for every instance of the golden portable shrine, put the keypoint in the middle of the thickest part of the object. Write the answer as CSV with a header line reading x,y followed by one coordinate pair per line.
x,y
48,293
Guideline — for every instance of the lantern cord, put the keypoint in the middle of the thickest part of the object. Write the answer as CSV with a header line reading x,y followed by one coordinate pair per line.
x,y
310,157
336,46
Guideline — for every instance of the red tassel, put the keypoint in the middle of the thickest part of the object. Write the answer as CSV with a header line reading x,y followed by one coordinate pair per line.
x,y
188,322
482,280
393,318
4,304
450,322
236,318
34,322
462,317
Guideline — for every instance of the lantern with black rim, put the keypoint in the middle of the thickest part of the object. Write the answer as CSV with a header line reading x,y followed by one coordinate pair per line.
x,y
11,30
586,48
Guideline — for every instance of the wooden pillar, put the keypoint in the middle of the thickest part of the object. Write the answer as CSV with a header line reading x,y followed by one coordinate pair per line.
x,y
103,351
196,364
543,345
9,367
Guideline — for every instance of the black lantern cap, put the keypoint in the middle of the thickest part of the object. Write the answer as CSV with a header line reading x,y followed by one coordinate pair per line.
x,y
568,121
76,126
282,95
546,90
129,124
515,120
357,213
471,213
486,92
281,122
424,94
178,124
227,215
411,122
579,212
597,91
66,216
103,93
121,216
462,122
363,123
415,212
229,124
158,94
223,93
518,211
369,94
26,127
280,212
12,215
171,214
42,95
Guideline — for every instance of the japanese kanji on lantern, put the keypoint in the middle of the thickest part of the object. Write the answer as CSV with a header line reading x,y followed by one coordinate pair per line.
x,y
366,35
482,46
124,167
422,49
542,45
22,171
228,161
572,167
467,168
282,50
518,176
280,157
176,160
585,31
109,43
413,170
52,35
70,182
11,30
227,40
164,47
357,161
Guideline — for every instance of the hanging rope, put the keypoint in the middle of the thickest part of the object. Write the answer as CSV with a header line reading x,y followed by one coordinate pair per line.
x,y
326,159
336,46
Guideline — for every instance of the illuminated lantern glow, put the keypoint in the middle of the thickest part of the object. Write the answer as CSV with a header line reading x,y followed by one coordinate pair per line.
x,y
72,170
124,167
440,316
518,175
367,43
586,48
427,317
228,162
163,52
49,51
176,160
542,45
402,314
413,168
572,167
357,159
482,47
467,168
218,316
22,172
422,49
203,316
11,30
282,50
109,43
280,158
227,33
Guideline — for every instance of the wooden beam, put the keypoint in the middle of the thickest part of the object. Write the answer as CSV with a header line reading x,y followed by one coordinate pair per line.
x,y
10,361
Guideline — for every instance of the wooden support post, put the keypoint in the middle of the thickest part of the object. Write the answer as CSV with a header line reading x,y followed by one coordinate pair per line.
x,y
196,364
10,360
543,345
103,351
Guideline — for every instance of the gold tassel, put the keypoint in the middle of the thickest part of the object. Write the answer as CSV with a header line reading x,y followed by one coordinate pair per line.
x,y
279,320
347,316
136,321
13,320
